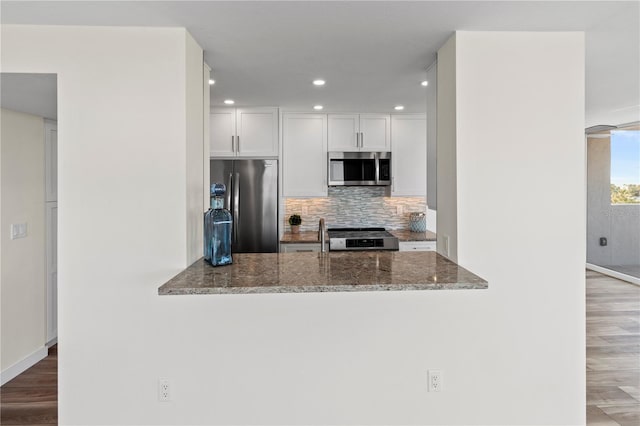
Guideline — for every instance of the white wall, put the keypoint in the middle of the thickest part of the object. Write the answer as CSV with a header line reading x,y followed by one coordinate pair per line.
x,y
194,69
432,147
123,191
520,161
432,125
23,260
510,355
446,148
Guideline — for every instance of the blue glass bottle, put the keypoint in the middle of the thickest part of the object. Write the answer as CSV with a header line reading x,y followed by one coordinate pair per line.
x,y
217,229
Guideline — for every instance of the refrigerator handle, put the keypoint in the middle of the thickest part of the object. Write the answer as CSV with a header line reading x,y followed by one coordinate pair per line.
x,y
236,205
227,201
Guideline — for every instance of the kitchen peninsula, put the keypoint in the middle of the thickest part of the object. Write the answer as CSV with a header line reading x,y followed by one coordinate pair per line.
x,y
323,272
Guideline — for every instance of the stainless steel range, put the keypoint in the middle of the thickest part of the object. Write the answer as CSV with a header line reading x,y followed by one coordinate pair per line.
x,y
361,239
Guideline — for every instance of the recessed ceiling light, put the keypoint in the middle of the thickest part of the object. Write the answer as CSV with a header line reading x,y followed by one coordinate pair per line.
x,y
425,83
398,107
229,101
318,107
212,82
318,82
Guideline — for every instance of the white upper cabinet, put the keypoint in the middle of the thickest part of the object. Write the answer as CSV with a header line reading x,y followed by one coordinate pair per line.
x,y
304,155
257,132
359,132
244,132
409,155
222,131
344,132
375,132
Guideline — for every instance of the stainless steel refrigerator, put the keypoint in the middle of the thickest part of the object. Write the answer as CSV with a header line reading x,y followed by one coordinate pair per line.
x,y
252,199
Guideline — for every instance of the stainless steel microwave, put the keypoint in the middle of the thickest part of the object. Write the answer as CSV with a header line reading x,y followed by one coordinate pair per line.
x,y
359,168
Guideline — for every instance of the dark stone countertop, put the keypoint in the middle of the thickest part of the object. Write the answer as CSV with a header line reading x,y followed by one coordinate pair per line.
x,y
310,237
304,237
404,235
324,272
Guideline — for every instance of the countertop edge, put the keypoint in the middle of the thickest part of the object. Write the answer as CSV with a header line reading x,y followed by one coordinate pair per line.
x,y
264,273
324,289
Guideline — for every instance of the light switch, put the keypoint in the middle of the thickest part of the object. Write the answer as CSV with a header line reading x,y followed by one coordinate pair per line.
x,y
18,230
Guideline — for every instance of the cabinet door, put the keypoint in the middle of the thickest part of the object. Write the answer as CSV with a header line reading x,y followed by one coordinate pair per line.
x,y
343,132
409,155
257,132
417,246
304,155
375,132
51,254
51,160
222,128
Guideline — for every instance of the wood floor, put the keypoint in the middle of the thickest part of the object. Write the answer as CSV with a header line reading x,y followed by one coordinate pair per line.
x,y
613,364
613,351
32,397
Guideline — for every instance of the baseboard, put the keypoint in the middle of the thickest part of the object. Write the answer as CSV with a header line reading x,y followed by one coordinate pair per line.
x,y
52,342
23,365
614,274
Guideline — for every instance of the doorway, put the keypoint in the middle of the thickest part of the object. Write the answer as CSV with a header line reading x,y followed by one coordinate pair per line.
x,y
28,204
613,201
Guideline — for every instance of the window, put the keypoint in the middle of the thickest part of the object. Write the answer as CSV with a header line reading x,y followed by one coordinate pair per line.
x,y
625,167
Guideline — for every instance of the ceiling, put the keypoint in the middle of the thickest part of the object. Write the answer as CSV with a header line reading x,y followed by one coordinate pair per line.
x,y
30,93
373,55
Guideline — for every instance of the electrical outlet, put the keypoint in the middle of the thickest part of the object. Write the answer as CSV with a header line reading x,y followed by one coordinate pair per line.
x,y
435,380
446,245
305,210
164,390
399,209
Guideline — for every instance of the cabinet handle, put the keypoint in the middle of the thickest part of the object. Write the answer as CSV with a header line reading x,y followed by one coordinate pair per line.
x,y
361,140
238,139
233,146
357,140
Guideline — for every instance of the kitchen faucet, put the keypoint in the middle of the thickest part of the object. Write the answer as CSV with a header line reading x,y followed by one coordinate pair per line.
x,y
321,232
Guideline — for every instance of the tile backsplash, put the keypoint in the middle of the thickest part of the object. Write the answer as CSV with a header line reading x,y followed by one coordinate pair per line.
x,y
354,206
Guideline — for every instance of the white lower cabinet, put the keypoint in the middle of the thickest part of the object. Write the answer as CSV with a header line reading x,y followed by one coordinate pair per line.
x,y
299,248
417,246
